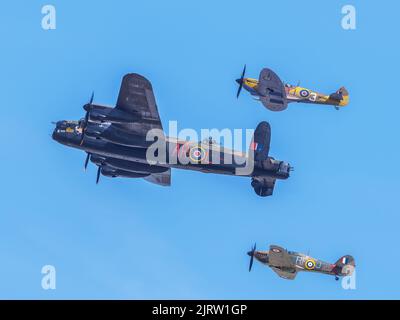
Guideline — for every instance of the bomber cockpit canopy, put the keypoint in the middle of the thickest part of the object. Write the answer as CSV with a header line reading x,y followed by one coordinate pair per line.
x,y
69,126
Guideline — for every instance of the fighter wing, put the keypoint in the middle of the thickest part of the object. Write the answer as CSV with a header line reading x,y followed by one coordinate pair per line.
x,y
279,257
162,179
136,96
272,91
289,274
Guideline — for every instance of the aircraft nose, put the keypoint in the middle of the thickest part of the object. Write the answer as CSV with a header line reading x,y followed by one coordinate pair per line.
x,y
239,81
250,253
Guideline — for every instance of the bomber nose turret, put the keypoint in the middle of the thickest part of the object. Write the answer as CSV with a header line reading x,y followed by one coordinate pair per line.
x,y
59,126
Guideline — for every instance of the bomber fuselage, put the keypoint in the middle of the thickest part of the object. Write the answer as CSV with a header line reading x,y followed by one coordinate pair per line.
x,y
130,153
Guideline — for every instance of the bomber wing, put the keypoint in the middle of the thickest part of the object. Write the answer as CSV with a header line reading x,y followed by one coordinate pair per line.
x,y
162,179
136,96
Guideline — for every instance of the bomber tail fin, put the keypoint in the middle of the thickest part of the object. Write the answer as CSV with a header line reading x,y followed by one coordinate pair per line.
x,y
261,141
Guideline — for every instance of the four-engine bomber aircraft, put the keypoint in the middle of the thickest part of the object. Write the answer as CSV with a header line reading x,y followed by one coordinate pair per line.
x,y
275,95
115,140
287,263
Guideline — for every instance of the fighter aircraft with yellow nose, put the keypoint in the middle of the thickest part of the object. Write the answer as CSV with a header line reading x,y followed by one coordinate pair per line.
x,y
276,95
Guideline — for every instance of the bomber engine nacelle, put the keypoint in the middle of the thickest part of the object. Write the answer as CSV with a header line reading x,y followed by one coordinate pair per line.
x,y
101,114
124,165
113,134
95,131
113,173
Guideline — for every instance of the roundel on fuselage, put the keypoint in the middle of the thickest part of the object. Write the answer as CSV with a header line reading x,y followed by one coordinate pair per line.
x,y
197,154
309,264
304,93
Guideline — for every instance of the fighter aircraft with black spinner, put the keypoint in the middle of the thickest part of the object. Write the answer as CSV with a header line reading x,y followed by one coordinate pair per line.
x,y
276,95
288,263
115,140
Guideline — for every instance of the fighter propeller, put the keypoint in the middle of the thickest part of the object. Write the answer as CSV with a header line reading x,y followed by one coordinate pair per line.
x,y
240,82
251,254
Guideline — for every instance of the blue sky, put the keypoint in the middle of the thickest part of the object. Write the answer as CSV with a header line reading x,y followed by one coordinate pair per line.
x,y
130,239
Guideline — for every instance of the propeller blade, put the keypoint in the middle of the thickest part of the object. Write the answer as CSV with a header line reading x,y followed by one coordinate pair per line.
x,y
243,72
98,175
251,254
86,118
240,82
239,90
251,262
87,160
87,107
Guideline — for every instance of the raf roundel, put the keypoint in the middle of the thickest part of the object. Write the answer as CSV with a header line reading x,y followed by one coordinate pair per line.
x,y
197,154
304,93
309,264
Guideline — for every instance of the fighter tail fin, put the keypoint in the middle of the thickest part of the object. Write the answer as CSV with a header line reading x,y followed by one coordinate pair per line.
x,y
343,91
345,265
340,94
